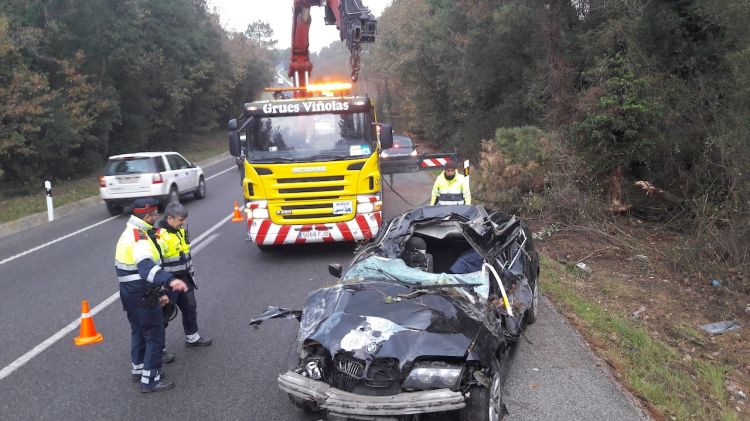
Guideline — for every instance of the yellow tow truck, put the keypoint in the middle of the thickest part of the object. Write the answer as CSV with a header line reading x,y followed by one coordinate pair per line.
x,y
309,165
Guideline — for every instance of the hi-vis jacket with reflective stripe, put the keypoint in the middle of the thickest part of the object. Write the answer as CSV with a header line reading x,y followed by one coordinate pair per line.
x,y
451,192
175,249
137,261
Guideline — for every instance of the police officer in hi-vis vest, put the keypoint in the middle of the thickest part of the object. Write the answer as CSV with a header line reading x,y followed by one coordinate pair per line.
x,y
174,243
451,188
137,264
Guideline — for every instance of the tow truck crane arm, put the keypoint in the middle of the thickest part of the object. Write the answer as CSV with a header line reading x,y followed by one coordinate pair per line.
x,y
355,24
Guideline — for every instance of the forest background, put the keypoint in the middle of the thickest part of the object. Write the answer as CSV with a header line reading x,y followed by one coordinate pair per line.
x,y
563,105
586,116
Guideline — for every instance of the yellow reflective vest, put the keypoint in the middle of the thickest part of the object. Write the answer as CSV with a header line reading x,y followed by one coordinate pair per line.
x,y
451,192
175,249
136,256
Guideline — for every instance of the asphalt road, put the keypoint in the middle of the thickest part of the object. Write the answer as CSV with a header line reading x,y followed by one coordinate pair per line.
x,y
554,376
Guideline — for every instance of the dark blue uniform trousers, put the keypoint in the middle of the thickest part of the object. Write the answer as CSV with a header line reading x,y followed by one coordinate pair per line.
x,y
147,333
185,301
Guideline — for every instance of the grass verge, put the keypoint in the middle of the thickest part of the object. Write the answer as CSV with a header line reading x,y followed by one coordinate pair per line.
x,y
671,386
197,148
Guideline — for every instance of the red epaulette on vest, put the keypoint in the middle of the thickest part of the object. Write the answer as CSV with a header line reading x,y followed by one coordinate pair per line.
x,y
139,235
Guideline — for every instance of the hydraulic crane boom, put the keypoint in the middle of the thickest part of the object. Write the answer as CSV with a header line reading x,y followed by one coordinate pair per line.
x,y
355,24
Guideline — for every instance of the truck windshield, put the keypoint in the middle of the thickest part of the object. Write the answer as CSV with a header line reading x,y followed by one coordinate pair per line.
x,y
313,137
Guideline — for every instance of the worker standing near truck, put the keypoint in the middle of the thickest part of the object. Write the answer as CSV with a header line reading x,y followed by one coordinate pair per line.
x,y
137,265
451,188
175,251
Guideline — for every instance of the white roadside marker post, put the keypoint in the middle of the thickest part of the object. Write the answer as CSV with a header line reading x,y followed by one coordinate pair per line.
x,y
50,208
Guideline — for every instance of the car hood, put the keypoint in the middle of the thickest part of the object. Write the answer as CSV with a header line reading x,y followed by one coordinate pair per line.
x,y
375,319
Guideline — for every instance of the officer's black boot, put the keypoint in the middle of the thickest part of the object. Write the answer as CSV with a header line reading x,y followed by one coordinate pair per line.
x,y
155,383
157,387
200,342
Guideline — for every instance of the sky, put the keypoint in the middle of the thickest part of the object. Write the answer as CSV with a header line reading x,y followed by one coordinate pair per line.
x,y
236,15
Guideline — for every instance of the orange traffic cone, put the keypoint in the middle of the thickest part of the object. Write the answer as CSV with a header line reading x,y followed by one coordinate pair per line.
x,y
88,333
237,217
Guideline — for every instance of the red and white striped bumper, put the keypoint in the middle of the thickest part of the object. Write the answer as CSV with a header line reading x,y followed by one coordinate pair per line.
x,y
362,227
433,162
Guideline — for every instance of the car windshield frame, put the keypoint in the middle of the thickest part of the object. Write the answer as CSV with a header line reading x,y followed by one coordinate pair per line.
x,y
310,137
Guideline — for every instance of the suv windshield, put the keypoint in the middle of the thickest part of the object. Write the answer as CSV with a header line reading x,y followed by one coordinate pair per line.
x,y
317,137
136,165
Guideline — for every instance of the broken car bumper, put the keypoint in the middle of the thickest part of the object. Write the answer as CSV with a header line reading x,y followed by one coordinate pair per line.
x,y
344,404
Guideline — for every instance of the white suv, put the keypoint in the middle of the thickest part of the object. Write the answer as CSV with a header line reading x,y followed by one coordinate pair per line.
x,y
161,175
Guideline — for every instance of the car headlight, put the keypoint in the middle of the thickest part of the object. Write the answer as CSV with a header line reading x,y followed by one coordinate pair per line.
x,y
432,375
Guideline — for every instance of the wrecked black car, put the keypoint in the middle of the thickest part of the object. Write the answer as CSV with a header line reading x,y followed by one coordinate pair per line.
x,y
425,320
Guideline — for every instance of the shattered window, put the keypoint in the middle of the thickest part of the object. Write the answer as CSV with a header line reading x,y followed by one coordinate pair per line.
x,y
376,267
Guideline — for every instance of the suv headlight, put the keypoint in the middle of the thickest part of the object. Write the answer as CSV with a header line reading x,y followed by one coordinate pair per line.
x,y
432,375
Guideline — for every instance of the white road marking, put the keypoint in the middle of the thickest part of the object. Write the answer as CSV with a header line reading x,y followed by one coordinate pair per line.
x,y
49,243
15,365
196,249
57,240
220,173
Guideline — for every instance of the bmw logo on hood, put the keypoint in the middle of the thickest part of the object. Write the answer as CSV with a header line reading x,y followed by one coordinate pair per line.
x,y
372,347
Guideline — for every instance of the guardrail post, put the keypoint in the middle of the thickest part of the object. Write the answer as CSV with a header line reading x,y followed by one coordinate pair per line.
x,y
50,208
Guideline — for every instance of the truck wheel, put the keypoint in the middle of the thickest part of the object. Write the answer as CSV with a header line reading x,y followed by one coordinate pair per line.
x,y
201,192
483,403
264,247
114,210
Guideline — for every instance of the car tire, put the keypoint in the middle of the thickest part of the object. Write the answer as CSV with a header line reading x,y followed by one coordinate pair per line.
x,y
200,193
173,196
531,312
114,210
304,406
480,405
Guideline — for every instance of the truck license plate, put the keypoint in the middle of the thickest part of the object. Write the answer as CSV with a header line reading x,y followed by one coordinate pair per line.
x,y
313,234
343,207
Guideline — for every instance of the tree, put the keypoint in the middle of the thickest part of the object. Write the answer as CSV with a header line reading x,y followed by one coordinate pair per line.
x,y
261,33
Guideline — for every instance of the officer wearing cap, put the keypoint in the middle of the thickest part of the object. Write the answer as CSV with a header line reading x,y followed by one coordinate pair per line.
x,y
137,264
451,188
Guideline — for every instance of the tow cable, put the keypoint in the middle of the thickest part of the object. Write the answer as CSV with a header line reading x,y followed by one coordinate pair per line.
x,y
402,197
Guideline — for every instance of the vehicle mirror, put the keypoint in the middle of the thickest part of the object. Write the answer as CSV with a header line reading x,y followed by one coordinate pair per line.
x,y
234,144
386,136
193,165
232,125
335,269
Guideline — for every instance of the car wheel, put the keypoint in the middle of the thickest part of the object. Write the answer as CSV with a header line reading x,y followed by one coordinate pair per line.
x,y
201,192
531,312
483,403
173,196
114,210
304,406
